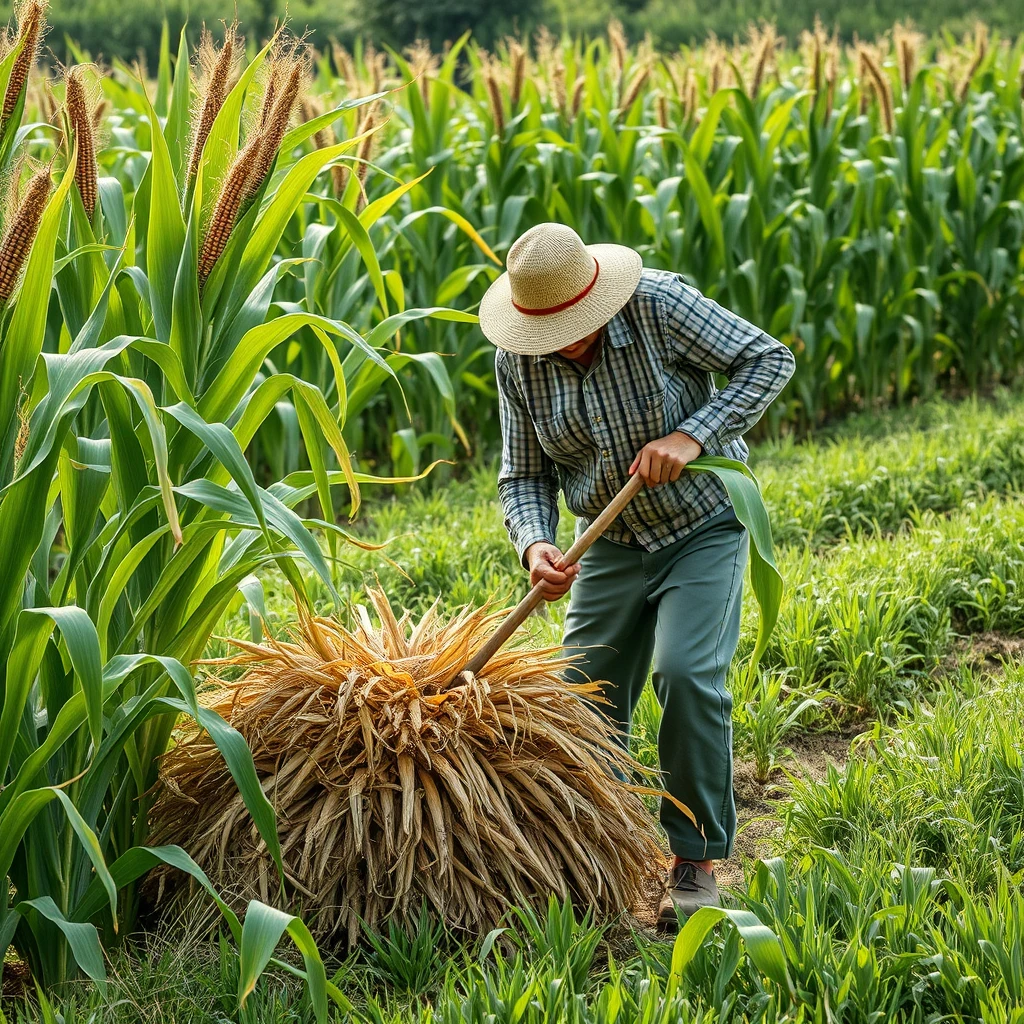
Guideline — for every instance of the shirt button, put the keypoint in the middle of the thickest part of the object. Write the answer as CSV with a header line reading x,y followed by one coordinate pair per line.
x,y
607,454
597,419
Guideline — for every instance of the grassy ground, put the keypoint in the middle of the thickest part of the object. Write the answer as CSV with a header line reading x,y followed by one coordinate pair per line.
x,y
880,777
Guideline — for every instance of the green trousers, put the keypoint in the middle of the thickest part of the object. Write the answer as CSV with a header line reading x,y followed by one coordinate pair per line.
x,y
677,611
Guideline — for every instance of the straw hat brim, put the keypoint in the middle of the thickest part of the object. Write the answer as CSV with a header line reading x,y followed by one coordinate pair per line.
x,y
531,334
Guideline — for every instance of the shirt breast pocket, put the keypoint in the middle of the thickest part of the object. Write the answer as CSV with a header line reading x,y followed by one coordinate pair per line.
x,y
645,419
562,437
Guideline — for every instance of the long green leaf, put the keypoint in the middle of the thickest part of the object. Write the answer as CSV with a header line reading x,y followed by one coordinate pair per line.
x,y
261,932
166,237
765,578
83,939
762,944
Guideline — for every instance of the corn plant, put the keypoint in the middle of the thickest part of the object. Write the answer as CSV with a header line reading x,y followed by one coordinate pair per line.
x,y
862,206
138,319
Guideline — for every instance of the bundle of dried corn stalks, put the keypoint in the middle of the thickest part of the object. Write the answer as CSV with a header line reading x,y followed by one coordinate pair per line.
x,y
391,790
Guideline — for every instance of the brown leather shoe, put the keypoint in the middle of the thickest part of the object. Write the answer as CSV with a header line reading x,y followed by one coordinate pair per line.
x,y
690,888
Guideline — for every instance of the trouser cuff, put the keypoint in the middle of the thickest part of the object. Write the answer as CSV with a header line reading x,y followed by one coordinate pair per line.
x,y
699,850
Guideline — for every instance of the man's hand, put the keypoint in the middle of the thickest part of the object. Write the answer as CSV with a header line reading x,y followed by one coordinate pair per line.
x,y
662,461
545,563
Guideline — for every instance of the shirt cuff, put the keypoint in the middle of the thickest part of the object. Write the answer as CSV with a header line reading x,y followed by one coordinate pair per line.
x,y
701,433
527,535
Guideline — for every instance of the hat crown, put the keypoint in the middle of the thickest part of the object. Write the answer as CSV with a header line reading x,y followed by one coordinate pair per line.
x,y
548,265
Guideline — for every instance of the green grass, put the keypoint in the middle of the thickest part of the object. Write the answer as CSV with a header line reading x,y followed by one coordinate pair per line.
x,y
898,897
893,540
941,787
896,892
870,477
875,475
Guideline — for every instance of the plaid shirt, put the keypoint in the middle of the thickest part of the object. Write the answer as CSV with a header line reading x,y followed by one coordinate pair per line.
x,y
564,424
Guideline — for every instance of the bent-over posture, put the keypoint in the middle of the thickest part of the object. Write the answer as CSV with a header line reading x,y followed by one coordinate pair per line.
x,y
605,369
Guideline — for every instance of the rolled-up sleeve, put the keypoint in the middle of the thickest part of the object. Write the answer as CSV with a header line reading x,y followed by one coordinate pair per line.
x,y
712,338
527,479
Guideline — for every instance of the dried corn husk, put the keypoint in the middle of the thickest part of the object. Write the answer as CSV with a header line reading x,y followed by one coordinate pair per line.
x,y
391,790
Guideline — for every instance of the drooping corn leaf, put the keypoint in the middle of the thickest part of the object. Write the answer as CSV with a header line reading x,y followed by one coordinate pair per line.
x,y
261,933
765,579
762,944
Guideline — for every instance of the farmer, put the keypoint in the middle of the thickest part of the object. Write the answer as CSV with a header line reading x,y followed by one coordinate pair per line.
x,y
605,369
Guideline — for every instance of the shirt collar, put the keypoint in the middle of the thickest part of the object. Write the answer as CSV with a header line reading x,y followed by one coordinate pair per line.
x,y
616,333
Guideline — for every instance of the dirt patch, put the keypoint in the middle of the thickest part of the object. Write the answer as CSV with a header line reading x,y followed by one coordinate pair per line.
x,y
985,650
758,824
814,752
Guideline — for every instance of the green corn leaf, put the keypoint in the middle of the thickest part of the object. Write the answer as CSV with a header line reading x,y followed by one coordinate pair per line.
x,y
19,813
762,944
297,136
34,627
186,311
139,860
272,221
163,73
252,313
261,932
375,210
176,129
330,429
144,399
222,443
83,939
251,589
119,579
298,486
709,214
33,631
281,518
389,327
83,472
460,222
170,365
264,400
314,452
765,579
71,377
237,374
93,851
361,240
166,235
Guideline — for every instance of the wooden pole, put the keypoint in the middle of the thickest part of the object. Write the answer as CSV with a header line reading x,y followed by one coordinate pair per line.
x,y
518,614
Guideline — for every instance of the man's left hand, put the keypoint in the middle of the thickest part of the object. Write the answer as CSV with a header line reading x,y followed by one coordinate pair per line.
x,y
662,461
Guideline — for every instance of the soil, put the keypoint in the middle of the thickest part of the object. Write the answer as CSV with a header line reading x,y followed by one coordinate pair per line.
x,y
758,827
985,650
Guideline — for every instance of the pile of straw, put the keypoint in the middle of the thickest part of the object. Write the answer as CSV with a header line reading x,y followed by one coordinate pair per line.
x,y
392,790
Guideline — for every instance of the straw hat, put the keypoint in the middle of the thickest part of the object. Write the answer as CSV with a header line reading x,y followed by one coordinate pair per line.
x,y
556,290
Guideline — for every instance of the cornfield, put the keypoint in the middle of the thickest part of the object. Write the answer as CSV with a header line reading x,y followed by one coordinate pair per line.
x,y
234,294
861,203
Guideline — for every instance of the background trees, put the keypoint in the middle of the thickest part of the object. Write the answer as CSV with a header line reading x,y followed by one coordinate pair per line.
x,y
100,26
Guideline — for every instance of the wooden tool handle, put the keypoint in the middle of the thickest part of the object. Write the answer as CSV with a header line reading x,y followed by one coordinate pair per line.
x,y
518,614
